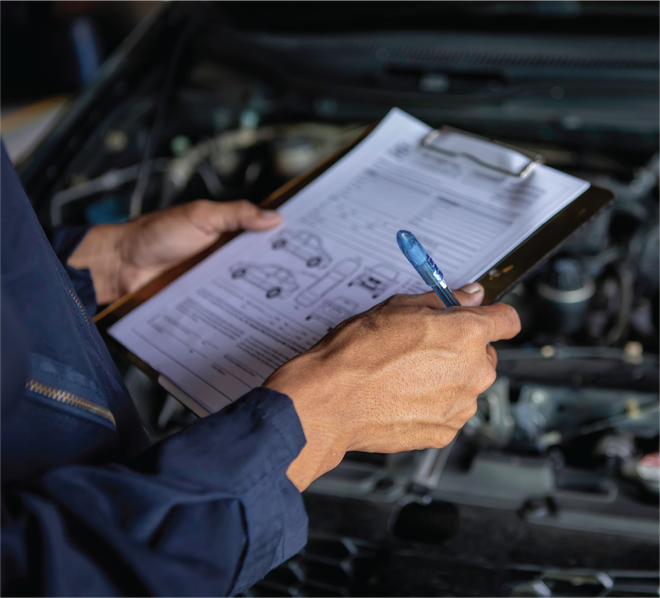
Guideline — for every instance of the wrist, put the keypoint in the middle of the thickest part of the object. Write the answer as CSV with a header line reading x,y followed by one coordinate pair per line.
x,y
100,252
319,409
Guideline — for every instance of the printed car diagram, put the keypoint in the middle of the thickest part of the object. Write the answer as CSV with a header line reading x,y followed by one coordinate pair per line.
x,y
275,280
376,280
304,245
333,311
336,275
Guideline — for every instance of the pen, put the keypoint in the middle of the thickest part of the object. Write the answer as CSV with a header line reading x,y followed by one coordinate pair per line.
x,y
425,266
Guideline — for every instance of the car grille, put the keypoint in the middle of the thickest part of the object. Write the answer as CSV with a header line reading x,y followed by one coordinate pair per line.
x,y
325,567
341,566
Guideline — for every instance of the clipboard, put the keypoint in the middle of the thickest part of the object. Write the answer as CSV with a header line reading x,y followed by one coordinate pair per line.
x,y
508,272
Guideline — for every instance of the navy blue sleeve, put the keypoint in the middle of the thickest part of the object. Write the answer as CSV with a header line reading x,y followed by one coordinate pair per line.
x,y
207,512
15,357
64,240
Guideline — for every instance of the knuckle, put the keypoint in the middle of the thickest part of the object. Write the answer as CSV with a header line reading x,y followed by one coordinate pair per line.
x,y
239,208
427,327
480,324
397,299
511,315
426,314
515,317
470,410
370,321
492,355
203,204
471,325
247,206
442,437
199,209
473,410
486,379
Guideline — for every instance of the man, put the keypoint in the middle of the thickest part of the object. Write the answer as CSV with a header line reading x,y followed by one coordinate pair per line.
x,y
89,507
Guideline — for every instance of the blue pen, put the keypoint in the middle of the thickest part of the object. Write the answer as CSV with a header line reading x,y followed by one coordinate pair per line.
x,y
425,266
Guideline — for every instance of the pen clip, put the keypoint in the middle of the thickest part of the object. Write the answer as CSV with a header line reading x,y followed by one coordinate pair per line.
x,y
532,159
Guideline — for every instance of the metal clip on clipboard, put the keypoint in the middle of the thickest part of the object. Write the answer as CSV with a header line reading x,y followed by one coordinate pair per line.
x,y
498,156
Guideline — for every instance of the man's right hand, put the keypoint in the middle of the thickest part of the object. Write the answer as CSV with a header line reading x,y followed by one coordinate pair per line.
x,y
404,375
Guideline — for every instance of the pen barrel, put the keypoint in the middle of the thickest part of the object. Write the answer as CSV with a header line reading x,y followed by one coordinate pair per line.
x,y
427,275
446,295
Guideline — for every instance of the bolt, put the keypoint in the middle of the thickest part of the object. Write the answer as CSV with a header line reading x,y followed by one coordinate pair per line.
x,y
548,351
538,397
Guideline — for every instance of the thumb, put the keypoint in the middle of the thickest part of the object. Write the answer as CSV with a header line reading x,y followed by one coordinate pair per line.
x,y
471,295
214,217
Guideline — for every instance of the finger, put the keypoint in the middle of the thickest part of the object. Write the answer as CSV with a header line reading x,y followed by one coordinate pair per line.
x,y
214,217
503,321
471,295
492,355
423,300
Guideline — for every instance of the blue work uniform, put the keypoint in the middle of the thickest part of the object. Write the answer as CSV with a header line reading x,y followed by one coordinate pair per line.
x,y
89,505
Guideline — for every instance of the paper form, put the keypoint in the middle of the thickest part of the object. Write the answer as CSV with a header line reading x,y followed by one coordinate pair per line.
x,y
223,327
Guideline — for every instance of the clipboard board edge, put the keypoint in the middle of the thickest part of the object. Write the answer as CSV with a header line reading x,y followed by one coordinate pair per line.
x,y
184,398
498,286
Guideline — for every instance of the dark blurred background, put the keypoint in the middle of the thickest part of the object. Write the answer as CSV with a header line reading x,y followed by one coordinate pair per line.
x,y
51,50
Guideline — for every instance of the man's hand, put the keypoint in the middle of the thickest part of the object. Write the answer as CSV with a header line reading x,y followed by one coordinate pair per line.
x,y
404,375
123,257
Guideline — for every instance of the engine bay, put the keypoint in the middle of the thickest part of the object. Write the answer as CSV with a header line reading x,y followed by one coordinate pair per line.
x,y
551,489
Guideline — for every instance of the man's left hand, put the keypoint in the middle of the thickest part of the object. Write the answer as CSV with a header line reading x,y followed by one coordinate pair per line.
x,y
123,257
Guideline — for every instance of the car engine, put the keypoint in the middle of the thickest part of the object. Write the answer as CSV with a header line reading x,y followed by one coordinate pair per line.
x,y
552,488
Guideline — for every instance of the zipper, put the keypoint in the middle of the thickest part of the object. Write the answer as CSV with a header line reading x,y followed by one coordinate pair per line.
x,y
80,306
68,398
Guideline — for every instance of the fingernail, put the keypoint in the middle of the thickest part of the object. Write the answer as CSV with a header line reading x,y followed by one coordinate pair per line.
x,y
472,288
269,214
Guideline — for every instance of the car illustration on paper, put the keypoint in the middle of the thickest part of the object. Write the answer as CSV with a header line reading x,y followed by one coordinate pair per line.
x,y
304,245
336,275
275,280
333,311
376,280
